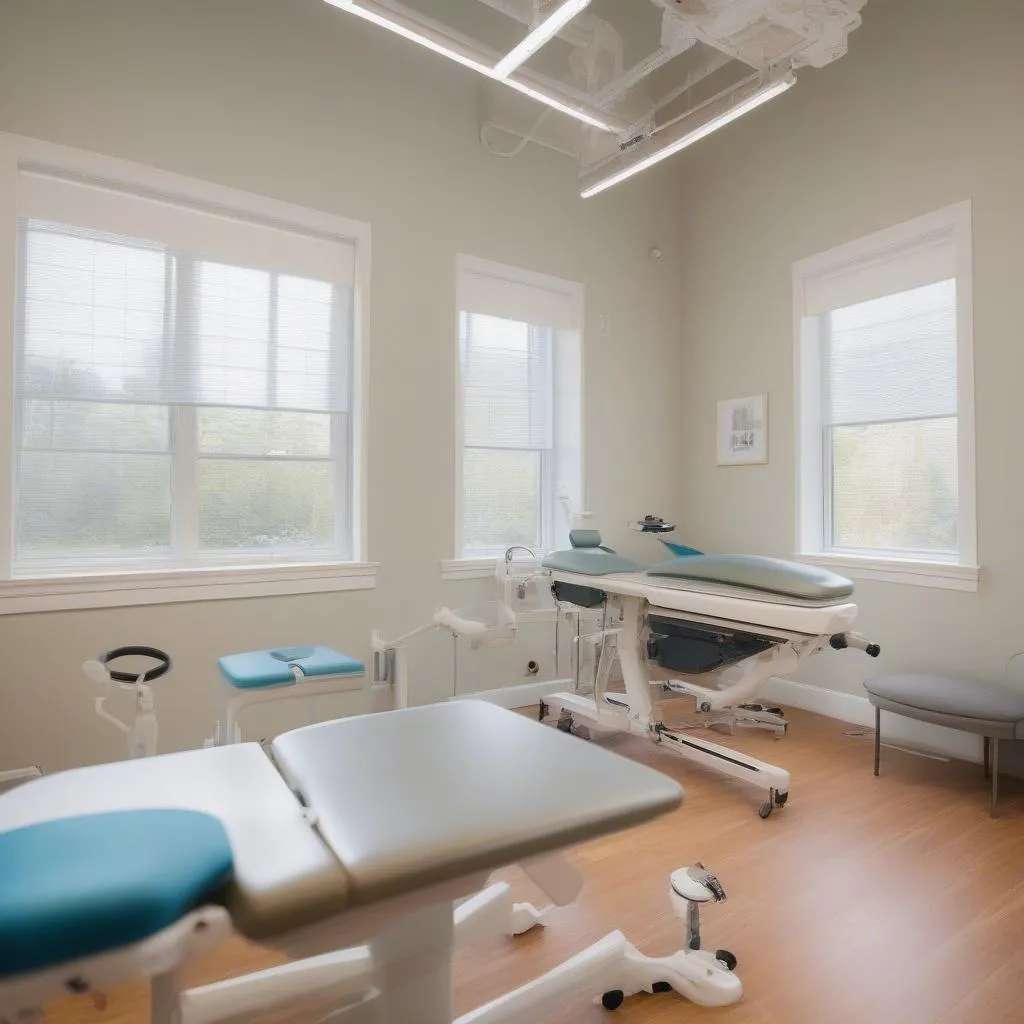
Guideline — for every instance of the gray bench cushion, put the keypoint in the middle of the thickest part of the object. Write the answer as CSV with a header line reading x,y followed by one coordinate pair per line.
x,y
983,708
410,798
774,575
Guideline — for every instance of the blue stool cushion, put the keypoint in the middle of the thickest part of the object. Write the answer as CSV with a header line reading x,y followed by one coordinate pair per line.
x,y
80,886
257,669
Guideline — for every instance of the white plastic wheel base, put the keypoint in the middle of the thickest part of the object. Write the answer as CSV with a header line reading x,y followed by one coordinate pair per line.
x,y
525,917
695,974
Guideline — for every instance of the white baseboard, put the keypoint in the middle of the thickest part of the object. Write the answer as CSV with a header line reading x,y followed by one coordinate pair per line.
x,y
848,707
520,696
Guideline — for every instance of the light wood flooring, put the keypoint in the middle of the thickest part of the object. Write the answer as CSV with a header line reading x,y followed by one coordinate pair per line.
x,y
864,901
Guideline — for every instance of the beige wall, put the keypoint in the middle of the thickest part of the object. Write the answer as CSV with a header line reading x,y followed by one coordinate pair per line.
x,y
924,111
296,101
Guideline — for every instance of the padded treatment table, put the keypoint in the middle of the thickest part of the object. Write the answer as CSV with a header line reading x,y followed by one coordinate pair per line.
x,y
383,805
743,588
423,795
986,709
730,621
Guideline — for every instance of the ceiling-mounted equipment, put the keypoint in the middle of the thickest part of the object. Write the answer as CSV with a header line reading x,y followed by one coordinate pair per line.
x,y
546,30
640,80
435,37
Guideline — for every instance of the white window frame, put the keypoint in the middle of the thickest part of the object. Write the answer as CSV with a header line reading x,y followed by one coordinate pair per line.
x,y
462,568
157,585
960,572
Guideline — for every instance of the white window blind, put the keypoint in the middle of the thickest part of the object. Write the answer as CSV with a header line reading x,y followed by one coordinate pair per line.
x,y
890,401
894,267
883,391
893,358
182,383
519,363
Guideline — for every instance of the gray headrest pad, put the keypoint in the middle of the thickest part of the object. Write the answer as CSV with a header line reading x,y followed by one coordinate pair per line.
x,y
791,579
585,538
425,795
589,561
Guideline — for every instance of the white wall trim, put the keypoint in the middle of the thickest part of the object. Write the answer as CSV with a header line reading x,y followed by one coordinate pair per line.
x,y
896,730
468,568
113,590
941,575
520,696
39,155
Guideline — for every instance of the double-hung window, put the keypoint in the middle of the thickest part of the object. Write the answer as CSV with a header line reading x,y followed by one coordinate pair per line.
x,y
886,403
184,381
519,401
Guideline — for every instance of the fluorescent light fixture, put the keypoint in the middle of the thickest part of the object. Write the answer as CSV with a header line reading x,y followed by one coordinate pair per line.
x,y
557,104
546,30
392,25
689,138
469,57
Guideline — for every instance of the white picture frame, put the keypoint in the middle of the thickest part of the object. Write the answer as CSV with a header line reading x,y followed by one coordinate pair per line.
x,y
743,431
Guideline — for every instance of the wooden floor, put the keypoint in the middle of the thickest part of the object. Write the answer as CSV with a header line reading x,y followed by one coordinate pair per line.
x,y
865,900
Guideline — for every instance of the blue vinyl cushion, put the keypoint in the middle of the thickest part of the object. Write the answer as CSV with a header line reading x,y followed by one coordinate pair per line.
x,y
80,886
254,670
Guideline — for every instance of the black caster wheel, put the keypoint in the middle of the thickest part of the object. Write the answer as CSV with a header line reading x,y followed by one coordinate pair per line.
x,y
565,723
542,711
613,1000
661,986
726,958
780,799
764,810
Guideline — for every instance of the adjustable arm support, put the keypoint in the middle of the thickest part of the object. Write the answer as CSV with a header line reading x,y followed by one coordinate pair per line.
x,y
842,641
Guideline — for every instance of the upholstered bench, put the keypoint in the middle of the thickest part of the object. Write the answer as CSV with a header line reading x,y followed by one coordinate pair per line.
x,y
284,673
986,709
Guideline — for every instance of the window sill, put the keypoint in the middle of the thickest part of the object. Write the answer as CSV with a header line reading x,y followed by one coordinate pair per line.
x,y
468,568
169,586
941,575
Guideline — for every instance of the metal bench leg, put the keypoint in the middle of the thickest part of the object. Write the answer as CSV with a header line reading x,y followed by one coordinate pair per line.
x,y
994,768
878,737
987,758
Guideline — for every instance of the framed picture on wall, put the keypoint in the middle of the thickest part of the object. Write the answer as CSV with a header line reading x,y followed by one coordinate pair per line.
x,y
743,431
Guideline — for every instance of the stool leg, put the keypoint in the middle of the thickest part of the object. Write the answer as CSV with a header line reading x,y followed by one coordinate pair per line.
x,y
995,777
878,737
987,758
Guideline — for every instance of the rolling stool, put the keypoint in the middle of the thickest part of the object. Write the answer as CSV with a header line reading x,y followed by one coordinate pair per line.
x,y
284,673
